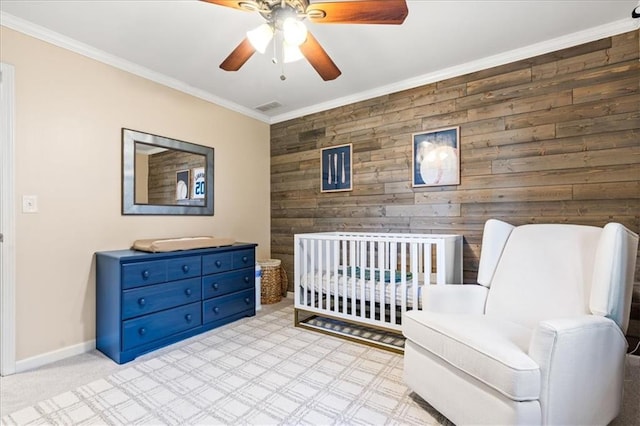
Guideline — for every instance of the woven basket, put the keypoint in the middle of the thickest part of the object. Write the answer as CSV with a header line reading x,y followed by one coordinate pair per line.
x,y
271,281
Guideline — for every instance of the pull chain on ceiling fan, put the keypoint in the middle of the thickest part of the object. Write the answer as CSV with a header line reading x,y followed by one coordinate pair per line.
x,y
286,16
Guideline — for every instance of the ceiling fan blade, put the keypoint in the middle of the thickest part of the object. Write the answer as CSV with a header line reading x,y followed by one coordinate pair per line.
x,y
238,57
319,59
391,12
230,3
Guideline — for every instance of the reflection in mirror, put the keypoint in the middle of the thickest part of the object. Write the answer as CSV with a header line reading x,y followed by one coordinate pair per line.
x,y
165,176
168,176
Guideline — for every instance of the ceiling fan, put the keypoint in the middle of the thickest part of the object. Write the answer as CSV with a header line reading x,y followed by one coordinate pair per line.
x,y
286,16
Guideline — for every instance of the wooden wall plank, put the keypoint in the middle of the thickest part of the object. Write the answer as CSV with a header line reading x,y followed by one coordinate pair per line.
x,y
593,142
610,89
607,191
494,82
630,155
498,195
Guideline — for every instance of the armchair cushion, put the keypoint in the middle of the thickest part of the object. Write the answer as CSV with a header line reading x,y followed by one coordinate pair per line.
x,y
491,350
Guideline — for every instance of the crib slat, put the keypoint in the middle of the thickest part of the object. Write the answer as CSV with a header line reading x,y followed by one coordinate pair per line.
x,y
352,278
382,287
300,257
362,265
415,274
314,272
441,269
343,283
336,259
403,280
393,259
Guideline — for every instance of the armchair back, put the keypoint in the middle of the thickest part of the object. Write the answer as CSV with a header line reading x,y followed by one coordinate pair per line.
x,y
545,272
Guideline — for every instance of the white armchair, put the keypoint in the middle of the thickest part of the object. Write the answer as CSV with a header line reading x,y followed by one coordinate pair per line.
x,y
539,340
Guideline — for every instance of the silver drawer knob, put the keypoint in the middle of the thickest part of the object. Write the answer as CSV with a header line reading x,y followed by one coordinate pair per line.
x,y
218,263
142,331
214,286
188,317
141,301
185,268
216,310
188,292
145,274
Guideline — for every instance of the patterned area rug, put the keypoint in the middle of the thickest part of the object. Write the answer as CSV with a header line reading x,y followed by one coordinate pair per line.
x,y
259,370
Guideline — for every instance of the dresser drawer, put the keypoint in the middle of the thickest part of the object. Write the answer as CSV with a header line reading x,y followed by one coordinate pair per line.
x,y
149,299
218,262
184,267
151,327
144,273
244,259
225,306
229,282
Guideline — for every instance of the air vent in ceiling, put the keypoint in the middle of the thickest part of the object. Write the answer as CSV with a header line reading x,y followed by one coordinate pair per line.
x,y
270,105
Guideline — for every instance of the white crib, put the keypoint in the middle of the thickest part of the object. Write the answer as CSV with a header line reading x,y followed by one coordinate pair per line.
x,y
370,278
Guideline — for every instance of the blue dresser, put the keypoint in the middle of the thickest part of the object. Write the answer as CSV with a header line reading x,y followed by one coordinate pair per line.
x,y
145,301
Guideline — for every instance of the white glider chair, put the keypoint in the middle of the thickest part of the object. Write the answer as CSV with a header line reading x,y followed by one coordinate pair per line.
x,y
539,340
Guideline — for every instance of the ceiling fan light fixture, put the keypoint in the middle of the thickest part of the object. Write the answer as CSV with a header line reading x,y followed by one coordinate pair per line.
x,y
294,30
260,37
291,53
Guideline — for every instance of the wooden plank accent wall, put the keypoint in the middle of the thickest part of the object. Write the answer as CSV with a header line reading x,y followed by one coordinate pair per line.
x,y
550,139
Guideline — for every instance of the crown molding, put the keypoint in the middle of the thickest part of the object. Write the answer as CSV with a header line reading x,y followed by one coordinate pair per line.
x,y
41,33
559,43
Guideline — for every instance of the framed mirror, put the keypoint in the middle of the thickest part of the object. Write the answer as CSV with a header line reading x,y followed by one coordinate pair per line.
x,y
163,176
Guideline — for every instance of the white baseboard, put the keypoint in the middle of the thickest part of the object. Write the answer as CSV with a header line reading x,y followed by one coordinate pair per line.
x,y
53,356
289,295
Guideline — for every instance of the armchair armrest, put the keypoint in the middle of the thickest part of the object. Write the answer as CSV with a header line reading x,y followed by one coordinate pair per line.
x,y
454,298
565,349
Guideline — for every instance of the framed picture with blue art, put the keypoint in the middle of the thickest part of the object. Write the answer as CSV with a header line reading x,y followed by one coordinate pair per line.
x,y
436,157
336,165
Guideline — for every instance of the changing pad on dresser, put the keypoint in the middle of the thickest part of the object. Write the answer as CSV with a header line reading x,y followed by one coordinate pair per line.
x,y
175,244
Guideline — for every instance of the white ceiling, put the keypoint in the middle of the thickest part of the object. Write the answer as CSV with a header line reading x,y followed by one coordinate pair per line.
x,y
181,43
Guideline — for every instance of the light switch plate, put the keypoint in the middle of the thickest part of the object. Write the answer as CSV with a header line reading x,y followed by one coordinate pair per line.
x,y
29,204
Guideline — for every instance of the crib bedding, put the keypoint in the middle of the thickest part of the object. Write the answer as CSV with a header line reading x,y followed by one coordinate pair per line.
x,y
341,285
